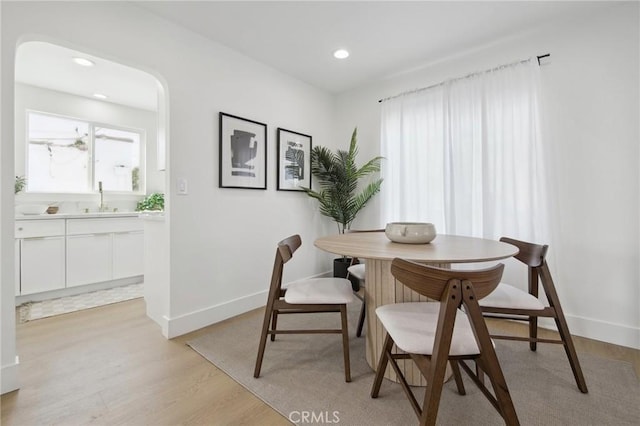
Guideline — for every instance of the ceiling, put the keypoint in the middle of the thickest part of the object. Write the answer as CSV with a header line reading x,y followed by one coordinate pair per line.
x,y
384,37
51,66
298,38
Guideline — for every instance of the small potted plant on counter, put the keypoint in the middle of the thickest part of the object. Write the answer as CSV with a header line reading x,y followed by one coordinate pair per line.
x,y
19,185
153,202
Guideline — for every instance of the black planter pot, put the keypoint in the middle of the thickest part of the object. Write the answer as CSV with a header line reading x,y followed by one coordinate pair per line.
x,y
340,266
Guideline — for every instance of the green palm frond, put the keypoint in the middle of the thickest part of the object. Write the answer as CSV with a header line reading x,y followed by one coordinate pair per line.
x,y
338,175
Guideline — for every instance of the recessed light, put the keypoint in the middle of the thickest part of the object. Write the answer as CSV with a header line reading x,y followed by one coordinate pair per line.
x,y
100,96
340,54
84,62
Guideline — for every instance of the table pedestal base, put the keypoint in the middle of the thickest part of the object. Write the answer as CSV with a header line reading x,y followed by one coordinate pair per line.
x,y
382,289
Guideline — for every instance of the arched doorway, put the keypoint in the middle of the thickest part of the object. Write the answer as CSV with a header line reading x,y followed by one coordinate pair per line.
x,y
57,84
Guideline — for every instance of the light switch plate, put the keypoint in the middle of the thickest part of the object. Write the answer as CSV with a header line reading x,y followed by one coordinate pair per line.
x,y
181,186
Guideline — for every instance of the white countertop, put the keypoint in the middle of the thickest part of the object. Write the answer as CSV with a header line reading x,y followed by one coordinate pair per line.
x,y
154,216
46,216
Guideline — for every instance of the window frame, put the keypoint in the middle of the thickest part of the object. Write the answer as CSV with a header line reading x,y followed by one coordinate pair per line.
x,y
92,125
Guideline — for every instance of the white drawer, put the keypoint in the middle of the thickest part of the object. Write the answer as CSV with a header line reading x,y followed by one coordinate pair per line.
x,y
38,228
101,226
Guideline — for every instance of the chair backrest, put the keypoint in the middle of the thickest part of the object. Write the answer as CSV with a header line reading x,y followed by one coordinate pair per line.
x,y
284,253
532,255
432,282
288,246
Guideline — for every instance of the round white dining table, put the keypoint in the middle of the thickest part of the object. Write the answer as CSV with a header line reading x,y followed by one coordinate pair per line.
x,y
382,289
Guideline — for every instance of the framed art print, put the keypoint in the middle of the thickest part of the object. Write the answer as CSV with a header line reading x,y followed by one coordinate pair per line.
x,y
243,153
294,160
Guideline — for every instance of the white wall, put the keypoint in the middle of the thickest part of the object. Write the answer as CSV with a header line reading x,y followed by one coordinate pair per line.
x,y
591,107
9,371
44,100
222,241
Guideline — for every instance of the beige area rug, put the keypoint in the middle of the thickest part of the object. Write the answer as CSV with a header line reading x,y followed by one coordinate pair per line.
x,y
304,374
63,305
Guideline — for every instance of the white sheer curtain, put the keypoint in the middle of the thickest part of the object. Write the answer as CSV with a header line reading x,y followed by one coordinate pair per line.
x,y
467,156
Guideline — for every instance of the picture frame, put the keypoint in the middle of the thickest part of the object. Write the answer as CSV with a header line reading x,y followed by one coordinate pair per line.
x,y
243,153
294,160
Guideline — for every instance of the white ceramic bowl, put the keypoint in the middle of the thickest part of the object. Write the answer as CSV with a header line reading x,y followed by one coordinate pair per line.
x,y
31,208
410,232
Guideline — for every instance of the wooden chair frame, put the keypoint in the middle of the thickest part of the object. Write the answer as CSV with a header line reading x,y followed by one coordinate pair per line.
x,y
452,289
534,256
354,261
276,305
363,307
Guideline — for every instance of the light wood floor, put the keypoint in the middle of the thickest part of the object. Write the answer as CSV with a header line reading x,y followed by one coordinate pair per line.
x,y
111,366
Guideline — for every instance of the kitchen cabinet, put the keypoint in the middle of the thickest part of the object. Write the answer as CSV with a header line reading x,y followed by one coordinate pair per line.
x,y
101,250
40,254
88,259
41,264
128,254
62,253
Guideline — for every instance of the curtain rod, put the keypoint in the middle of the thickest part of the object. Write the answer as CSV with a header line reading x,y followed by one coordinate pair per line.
x,y
546,55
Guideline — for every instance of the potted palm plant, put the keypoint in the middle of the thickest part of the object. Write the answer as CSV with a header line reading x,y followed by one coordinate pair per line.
x,y
338,178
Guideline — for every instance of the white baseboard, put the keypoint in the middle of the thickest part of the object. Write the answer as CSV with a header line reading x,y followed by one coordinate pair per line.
x,y
9,378
160,320
72,291
617,334
324,274
603,331
186,323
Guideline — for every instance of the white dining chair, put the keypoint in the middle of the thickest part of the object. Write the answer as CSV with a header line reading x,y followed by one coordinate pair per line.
x,y
307,296
434,334
509,302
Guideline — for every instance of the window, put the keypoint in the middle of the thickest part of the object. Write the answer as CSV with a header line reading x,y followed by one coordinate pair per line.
x,y
66,155
467,155
117,159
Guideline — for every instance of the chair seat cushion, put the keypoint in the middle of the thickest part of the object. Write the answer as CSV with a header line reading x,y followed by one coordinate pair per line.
x,y
320,290
413,327
508,296
358,271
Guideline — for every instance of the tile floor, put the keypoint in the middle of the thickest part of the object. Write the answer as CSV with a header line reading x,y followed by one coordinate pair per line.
x,y
47,308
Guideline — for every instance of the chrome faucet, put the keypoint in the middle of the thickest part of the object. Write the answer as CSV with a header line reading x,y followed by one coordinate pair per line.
x,y
102,207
